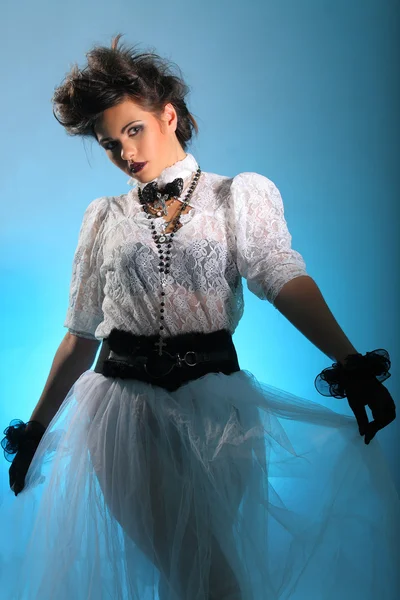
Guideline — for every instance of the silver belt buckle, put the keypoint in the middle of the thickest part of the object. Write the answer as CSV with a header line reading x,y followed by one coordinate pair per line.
x,y
190,362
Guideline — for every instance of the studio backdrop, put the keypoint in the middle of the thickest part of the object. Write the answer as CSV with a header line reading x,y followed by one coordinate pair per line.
x,y
305,92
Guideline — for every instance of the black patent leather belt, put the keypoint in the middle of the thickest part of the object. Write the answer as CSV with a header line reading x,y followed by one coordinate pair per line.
x,y
157,366
185,357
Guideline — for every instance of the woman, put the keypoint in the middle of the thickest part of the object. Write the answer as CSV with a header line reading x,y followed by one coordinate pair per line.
x,y
167,472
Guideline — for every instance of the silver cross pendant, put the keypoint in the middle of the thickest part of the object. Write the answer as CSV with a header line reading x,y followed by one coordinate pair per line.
x,y
160,203
160,345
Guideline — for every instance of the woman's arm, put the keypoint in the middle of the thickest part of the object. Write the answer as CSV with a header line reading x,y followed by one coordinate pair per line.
x,y
74,356
302,303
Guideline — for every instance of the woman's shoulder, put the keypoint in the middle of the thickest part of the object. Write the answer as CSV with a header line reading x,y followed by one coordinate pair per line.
x,y
251,180
244,179
107,208
97,207
244,189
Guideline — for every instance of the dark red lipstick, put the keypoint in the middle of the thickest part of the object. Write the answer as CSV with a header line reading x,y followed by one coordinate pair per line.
x,y
136,167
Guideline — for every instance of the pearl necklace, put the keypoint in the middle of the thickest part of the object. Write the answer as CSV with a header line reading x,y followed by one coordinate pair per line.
x,y
160,240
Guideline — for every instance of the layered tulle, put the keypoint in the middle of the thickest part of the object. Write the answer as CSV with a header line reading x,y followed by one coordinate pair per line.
x,y
226,489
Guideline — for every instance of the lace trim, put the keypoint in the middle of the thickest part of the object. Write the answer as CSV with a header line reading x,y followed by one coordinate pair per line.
x,y
16,436
332,381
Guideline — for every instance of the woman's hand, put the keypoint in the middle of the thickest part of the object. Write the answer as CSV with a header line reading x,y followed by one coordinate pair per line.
x,y
21,439
20,465
372,393
360,378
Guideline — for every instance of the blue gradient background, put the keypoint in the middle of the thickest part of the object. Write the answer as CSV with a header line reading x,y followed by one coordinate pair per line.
x,y
304,92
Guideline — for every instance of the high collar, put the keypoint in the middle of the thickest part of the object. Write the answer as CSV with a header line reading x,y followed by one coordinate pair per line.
x,y
182,168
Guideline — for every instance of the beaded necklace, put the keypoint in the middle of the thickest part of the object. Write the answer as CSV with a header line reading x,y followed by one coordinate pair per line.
x,y
165,240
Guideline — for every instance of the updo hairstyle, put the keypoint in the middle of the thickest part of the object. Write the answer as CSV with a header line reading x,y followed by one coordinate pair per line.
x,y
113,75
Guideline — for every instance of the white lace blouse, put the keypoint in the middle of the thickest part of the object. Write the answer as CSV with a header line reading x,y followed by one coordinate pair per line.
x,y
235,228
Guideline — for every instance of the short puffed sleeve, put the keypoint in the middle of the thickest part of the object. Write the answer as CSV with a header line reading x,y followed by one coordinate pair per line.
x,y
265,257
86,294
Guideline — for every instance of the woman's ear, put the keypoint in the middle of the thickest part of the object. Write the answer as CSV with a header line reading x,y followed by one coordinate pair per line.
x,y
169,117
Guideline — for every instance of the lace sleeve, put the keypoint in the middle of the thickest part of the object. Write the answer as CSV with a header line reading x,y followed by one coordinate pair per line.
x,y
86,294
265,257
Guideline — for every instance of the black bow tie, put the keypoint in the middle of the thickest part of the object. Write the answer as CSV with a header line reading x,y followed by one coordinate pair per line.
x,y
151,193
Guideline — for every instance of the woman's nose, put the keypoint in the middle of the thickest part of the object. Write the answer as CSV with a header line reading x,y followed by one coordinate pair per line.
x,y
128,152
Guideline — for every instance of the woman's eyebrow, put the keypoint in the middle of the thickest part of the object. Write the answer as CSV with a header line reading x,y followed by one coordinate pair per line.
x,y
122,131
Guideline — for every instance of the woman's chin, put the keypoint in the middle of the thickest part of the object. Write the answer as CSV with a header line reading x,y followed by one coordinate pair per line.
x,y
139,176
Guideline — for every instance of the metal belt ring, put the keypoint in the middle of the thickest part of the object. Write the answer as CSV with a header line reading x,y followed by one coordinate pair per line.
x,y
186,360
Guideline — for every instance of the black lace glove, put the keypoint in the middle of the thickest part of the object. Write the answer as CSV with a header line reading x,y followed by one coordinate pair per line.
x,y
360,380
23,443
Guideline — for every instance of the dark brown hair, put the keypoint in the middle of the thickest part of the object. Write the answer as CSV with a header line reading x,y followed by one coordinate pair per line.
x,y
113,75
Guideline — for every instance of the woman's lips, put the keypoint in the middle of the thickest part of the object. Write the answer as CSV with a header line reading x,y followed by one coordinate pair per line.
x,y
136,167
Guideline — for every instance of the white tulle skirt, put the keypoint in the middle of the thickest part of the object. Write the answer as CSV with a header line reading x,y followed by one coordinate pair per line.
x,y
226,489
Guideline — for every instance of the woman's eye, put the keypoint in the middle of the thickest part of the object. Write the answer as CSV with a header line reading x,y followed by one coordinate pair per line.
x,y
112,145
136,129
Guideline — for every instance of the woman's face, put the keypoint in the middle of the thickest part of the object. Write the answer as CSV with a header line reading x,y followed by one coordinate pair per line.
x,y
129,134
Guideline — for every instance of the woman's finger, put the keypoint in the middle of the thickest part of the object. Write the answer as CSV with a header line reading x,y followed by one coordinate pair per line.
x,y
360,414
371,432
